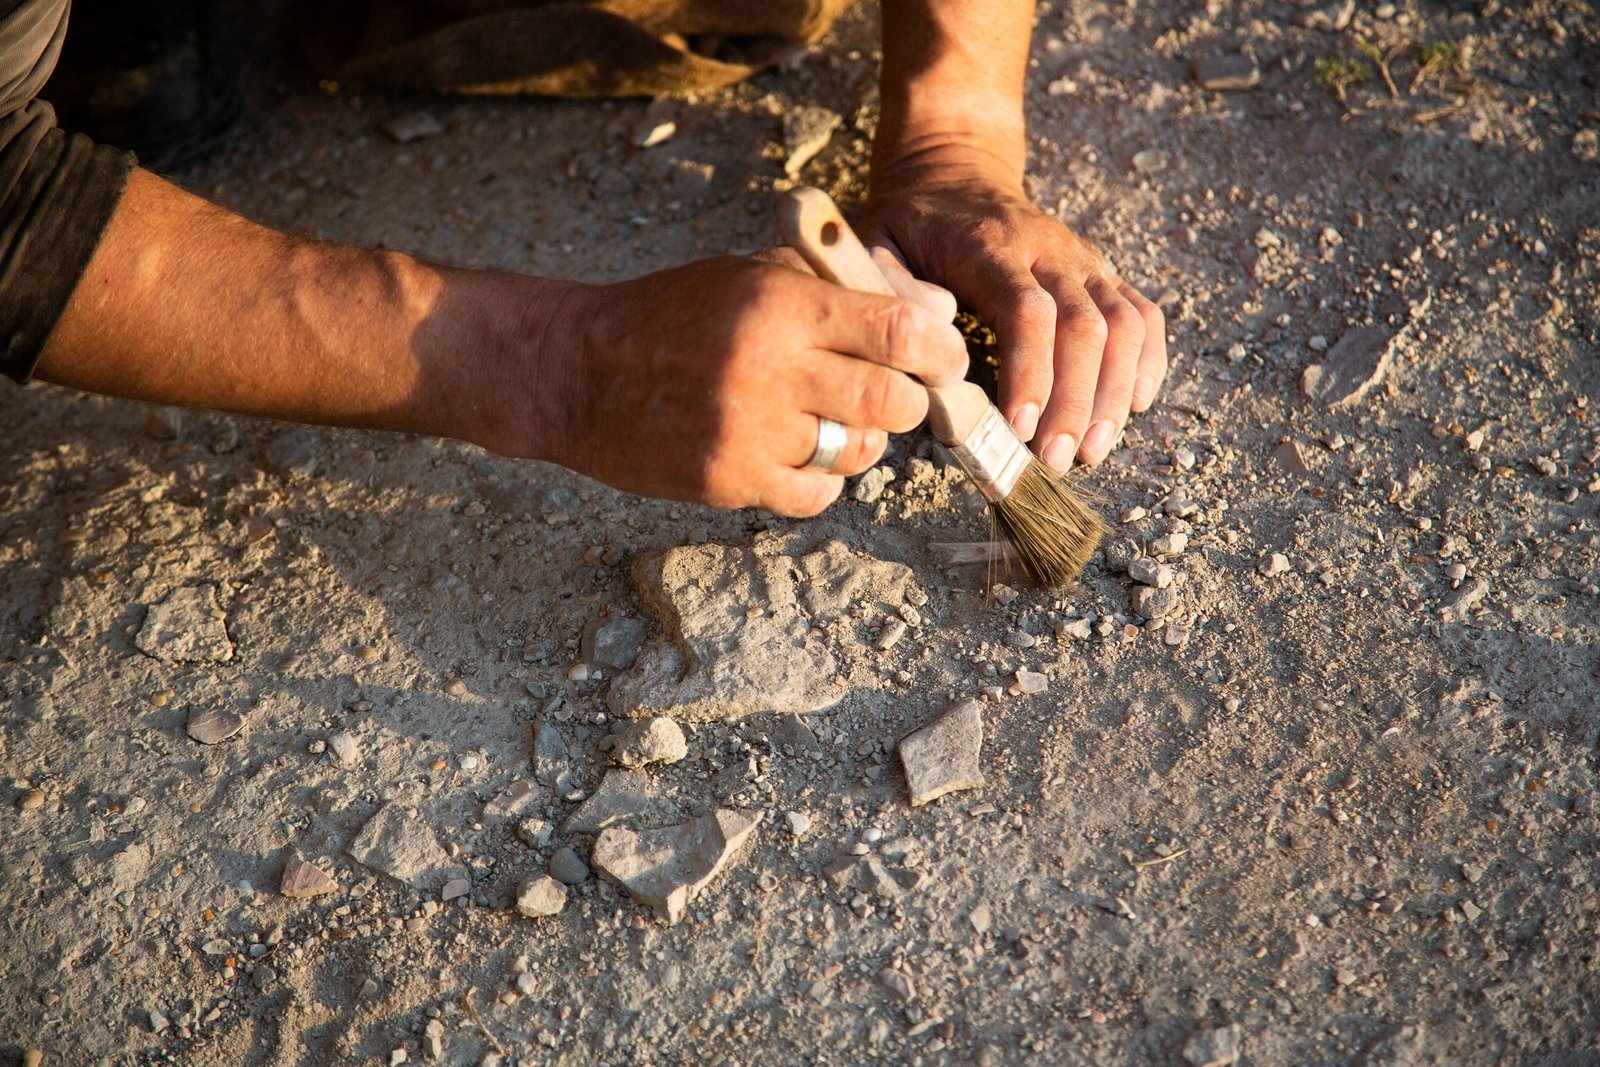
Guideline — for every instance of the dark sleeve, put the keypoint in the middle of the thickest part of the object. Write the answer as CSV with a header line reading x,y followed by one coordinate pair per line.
x,y
57,191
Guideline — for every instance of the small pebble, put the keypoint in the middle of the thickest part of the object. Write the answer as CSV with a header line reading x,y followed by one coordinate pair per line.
x,y
1147,571
799,823
1029,682
1170,545
567,867
31,800
1274,564
344,747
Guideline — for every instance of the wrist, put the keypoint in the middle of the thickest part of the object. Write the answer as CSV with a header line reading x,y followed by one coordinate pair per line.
x,y
941,165
494,352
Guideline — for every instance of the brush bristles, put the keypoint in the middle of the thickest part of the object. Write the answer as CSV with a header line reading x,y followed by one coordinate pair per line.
x,y
1053,531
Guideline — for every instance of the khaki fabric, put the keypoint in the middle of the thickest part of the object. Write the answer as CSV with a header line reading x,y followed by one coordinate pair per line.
x,y
569,47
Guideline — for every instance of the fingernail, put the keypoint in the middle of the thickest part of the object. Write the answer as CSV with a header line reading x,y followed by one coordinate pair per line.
x,y
1059,453
1097,442
1144,390
1026,421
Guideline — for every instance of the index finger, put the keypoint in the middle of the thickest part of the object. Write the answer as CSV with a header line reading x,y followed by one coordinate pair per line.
x,y
888,330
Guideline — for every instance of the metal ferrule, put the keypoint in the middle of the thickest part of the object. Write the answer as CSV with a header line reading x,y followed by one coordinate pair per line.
x,y
993,455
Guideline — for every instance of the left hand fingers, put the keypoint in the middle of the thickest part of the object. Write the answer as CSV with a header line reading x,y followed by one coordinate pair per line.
x,y
1153,356
934,298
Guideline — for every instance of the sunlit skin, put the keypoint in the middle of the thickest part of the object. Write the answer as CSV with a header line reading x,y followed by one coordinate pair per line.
x,y
704,382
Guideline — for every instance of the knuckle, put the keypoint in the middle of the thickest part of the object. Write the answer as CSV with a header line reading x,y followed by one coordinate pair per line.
x,y
1123,318
875,398
900,331
1088,320
1034,308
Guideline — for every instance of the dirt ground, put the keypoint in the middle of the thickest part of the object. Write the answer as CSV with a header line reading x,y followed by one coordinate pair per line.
x,y
1342,801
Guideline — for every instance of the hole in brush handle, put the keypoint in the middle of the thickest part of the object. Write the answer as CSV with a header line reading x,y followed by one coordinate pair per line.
x,y
830,234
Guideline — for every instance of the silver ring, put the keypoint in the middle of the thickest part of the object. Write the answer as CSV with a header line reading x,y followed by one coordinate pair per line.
x,y
831,439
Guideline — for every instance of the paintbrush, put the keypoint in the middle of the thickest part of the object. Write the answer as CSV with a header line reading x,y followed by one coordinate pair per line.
x,y
1051,528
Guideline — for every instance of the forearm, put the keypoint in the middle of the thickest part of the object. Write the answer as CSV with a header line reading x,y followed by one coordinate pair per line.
x,y
952,83
185,303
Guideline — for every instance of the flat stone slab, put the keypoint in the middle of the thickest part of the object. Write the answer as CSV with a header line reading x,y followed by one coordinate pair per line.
x,y
518,799
399,844
869,874
186,626
211,726
1352,368
303,880
942,757
623,796
666,869
737,625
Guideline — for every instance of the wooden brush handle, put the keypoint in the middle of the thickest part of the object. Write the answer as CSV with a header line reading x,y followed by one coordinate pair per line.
x,y
812,226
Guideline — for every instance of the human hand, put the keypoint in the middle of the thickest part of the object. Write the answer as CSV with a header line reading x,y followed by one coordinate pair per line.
x,y
706,382
1080,347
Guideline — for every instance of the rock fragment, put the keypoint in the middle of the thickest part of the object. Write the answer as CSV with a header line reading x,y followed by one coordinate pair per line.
x,y
1457,604
31,800
869,874
1226,73
613,642
518,798
650,741
1351,369
890,635
1150,571
1214,1048
1272,565
454,888
738,626
623,796
211,726
535,833
1172,544
790,733
869,488
1029,683
412,126
1150,602
398,843
303,880
942,757
666,869
897,982
344,747
185,626
549,752
541,896
568,868
806,132
1291,460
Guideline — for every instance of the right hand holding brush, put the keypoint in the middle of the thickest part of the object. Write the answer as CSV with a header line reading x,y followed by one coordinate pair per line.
x,y
707,382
